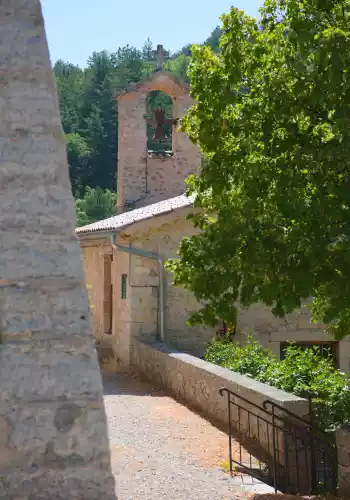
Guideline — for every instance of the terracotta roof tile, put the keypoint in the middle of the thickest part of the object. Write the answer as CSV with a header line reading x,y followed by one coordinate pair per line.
x,y
139,214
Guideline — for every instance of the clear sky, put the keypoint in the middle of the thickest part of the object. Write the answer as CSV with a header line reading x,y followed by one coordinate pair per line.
x,y
77,28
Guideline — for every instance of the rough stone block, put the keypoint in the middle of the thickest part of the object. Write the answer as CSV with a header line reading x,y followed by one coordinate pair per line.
x,y
44,309
90,483
66,370
44,200
304,322
54,435
24,255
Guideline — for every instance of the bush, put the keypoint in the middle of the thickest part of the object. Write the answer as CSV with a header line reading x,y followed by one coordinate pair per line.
x,y
302,371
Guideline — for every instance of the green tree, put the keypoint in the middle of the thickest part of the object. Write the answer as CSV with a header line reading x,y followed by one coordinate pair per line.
x,y
79,155
99,120
96,204
273,121
179,66
129,66
147,50
70,82
213,41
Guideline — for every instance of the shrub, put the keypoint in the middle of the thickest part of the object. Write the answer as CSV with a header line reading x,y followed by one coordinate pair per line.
x,y
302,371
249,359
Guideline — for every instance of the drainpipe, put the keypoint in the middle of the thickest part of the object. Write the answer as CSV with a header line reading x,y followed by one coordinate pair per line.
x,y
158,258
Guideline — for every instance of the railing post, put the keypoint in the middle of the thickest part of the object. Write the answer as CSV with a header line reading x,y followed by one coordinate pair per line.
x,y
313,458
229,424
229,431
274,449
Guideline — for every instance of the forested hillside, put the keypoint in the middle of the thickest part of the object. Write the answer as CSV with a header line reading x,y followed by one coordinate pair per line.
x,y
90,119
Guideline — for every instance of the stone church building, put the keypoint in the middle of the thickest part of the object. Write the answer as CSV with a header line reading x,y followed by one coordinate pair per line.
x,y
130,292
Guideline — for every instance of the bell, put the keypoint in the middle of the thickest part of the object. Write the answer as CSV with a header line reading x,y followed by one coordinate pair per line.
x,y
159,134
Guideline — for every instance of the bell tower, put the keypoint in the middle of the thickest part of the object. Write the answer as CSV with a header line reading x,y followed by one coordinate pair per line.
x,y
154,158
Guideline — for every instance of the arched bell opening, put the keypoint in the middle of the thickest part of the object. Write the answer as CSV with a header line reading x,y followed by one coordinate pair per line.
x,y
159,123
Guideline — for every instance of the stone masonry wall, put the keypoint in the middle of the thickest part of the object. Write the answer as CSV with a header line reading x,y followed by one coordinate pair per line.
x,y
163,237
143,180
296,327
53,434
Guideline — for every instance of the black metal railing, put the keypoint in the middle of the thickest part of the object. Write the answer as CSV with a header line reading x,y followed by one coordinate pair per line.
x,y
280,448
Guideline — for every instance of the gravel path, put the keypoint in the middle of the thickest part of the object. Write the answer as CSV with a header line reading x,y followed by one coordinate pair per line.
x,y
160,449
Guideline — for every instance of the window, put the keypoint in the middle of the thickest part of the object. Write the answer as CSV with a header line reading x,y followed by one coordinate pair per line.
x,y
326,348
123,286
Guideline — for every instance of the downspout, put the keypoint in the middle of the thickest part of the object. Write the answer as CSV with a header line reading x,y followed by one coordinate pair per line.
x,y
158,258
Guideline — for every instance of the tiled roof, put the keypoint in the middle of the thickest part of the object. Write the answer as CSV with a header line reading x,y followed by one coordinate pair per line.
x,y
139,214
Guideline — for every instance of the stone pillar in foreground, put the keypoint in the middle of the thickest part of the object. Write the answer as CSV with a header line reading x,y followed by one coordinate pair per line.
x,y
343,446
53,433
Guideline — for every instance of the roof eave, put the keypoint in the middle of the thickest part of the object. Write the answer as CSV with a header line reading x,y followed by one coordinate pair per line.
x,y
98,233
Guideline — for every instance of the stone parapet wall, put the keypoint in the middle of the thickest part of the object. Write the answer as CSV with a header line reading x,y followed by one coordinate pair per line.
x,y
198,382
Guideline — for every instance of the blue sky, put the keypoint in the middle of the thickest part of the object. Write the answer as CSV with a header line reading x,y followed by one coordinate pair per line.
x,y
76,28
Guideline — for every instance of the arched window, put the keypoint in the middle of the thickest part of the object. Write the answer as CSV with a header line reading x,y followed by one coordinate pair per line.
x,y
160,122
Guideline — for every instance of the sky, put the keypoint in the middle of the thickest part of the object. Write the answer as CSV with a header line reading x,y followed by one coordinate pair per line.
x,y
77,28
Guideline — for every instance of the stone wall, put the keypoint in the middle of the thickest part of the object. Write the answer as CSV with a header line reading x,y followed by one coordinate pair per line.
x,y
138,314
53,433
297,327
143,180
164,237
94,253
198,382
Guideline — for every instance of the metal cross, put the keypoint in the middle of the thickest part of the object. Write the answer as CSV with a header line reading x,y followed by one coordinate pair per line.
x,y
160,55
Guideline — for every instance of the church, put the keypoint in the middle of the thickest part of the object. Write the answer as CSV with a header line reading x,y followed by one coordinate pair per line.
x,y
131,294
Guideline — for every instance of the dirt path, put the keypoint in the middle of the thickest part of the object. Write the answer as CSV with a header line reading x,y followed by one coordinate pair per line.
x,y
162,450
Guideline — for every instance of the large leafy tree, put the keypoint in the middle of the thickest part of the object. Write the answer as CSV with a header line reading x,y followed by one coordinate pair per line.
x,y
79,161
70,81
213,40
273,122
99,120
96,204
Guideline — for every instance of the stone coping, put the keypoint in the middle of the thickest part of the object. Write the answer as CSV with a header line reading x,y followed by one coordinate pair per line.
x,y
154,358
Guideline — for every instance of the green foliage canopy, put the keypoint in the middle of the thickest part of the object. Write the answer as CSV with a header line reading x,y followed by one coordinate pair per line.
x,y
273,121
